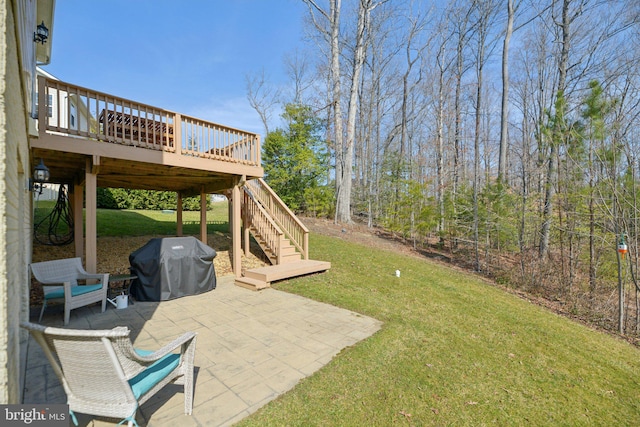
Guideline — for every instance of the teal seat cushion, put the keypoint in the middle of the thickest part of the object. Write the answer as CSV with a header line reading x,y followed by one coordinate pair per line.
x,y
75,291
145,380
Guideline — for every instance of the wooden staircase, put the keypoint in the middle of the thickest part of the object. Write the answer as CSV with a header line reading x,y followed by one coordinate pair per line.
x,y
287,252
280,235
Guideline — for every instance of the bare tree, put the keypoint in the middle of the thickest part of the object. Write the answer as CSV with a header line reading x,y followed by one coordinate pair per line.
x,y
417,23
378,91
512,8
343,196
444,62
460,17
297,68
565,40
262,96
485,10
332,33
502,162
344,147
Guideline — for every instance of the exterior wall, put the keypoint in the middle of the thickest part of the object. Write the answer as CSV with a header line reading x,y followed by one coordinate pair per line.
x,y
15,234
64,112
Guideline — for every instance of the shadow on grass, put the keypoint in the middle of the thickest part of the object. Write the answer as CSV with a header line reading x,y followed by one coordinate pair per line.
x,y
132,223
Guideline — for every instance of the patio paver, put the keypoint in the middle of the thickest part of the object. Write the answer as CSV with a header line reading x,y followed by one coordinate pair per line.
x,y
251,347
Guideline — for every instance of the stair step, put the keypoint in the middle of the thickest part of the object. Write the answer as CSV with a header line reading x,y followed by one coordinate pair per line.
x,y
284,271
291,257
251,283
284,243
288,250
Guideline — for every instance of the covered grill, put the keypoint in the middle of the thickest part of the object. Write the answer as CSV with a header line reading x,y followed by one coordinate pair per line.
x,y
172,267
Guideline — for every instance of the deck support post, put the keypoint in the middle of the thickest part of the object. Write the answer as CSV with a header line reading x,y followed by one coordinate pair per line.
x,y
236,235
91,180
203,216
246,232
229,194
179,214
78,222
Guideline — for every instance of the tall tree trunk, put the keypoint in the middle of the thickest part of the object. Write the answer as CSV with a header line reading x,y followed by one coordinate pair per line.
x,y
548,206
592,225
439,145
476,170
343,201
504,112
476,143
458,116
485,11
333,34
558,133
619,265
335,6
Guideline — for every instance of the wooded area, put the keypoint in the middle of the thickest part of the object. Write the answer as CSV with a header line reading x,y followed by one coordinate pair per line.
x,y
506,131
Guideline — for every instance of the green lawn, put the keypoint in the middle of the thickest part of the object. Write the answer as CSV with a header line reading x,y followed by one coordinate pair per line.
x,y
453,351
112,222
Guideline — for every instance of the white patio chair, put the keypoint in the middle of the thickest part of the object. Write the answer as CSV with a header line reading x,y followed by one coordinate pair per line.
x,y
67,272
103,375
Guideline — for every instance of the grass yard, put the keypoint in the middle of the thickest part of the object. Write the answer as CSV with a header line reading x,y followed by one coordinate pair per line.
x,y
453,350
113,222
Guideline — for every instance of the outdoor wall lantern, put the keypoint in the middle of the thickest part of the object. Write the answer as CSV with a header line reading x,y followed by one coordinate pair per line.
x,y
40,176
42,34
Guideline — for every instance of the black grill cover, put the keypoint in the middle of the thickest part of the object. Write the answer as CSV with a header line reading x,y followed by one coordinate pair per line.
x,y
172,267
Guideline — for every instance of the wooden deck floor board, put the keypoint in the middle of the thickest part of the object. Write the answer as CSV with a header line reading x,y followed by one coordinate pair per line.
x,y
285,271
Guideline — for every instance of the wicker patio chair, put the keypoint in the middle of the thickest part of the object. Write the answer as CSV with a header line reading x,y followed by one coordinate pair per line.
x,y
103,375
67,272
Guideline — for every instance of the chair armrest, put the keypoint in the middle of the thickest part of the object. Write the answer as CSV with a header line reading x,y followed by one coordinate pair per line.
x,y
92,276
182,341
103,278
56,283
51,282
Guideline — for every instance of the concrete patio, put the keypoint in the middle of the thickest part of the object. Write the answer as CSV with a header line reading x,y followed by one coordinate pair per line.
x,y
251,347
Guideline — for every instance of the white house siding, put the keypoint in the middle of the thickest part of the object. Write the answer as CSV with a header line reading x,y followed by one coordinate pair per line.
x,y
15,234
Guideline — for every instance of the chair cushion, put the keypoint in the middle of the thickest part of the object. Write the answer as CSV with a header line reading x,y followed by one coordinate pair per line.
x,y
75,291
145,380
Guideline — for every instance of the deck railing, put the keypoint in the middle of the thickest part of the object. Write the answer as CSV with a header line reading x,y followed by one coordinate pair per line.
x,y
268,231
293,229
77,111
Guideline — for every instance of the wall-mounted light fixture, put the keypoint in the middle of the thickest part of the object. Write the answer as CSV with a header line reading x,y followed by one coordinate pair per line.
x,y
40,176
42,34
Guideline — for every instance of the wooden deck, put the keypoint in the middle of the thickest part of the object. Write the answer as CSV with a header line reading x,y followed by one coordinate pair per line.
x,y
260,278
133,145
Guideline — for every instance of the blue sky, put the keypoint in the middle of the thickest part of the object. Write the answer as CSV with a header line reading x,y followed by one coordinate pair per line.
x,y
188,56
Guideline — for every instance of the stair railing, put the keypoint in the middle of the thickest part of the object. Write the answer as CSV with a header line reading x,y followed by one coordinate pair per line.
x,y
266,229
293,228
